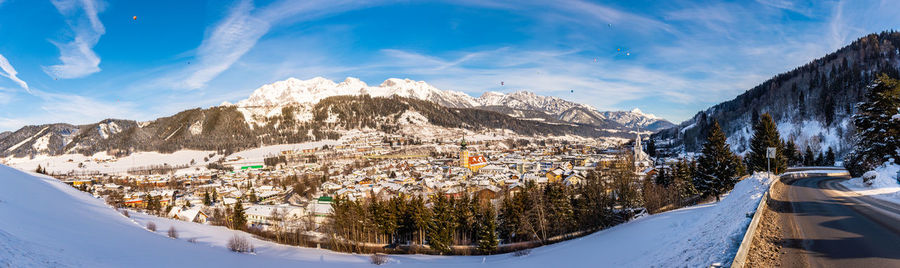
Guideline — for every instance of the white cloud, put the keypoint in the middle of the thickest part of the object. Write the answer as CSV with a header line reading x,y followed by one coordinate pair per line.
x,y
239,31
10,72
229,40
10,124
786,5
77,56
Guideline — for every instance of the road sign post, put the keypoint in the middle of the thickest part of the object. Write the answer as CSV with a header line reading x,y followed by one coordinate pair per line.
x,y
770,153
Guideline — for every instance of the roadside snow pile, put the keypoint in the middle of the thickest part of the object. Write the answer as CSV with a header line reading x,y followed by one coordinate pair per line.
x,y
884,185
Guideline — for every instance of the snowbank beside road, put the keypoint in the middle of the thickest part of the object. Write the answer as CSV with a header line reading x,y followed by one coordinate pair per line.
x,y
884,186
47,223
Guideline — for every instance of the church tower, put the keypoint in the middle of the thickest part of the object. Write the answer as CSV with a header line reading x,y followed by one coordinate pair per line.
x,y
637,145
463,154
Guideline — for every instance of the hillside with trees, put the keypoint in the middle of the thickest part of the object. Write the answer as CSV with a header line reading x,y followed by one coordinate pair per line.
x,y
813,104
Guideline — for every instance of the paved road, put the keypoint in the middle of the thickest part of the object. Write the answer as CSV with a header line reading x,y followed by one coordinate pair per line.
x,y
830,226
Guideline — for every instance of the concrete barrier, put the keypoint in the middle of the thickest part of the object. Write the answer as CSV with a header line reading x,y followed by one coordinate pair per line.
x,y
740,259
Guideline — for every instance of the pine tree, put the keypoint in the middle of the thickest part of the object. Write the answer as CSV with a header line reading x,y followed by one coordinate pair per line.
x,y
718,166
663,177
440,227
206,199
878,128
765,134
791,153
651,148
215,195
420,216
253,198
487,231
559,208
683,177
509,219
238,218
809,159
829,157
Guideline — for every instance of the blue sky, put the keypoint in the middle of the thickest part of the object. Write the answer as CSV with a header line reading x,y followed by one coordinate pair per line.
x,y
81,61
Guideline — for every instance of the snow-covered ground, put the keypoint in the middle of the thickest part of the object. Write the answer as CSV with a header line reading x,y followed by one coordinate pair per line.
x,y
47,223
104,163
884,186
259,154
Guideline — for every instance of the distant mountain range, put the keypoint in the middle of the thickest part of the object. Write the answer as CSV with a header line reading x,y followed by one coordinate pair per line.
x,y
521,104
294,110
811,104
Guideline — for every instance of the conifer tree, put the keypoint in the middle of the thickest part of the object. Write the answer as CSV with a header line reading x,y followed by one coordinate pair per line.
x,y
717,168
440,227
559,208
878,127
809,159
487,231
791,154
829,157
509,218
253,198
663,177
765,134
238,218
206,199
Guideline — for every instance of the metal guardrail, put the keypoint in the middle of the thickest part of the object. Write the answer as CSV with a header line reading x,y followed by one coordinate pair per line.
x,y
740,259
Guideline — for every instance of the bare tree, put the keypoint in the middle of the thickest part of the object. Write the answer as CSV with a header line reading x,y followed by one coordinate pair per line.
x,y
151,226
172,232
240,244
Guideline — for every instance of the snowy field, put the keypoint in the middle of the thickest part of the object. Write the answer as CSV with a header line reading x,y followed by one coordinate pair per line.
x,y
47,223
103,163
884,186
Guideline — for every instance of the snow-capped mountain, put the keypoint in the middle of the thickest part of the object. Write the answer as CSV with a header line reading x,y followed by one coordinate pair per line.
x,y
266,101
525,100
296,91
295,110
638,119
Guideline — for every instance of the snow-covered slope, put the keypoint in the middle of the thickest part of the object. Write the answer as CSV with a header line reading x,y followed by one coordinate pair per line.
x,y
47,223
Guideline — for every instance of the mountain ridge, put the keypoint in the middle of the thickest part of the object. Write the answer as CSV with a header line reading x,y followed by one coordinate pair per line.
x,y
293,91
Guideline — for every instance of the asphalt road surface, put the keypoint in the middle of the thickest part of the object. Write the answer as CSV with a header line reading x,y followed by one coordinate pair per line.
x,y
831,226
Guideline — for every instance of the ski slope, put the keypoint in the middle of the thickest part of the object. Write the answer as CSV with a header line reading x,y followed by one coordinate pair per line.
x,y
44,222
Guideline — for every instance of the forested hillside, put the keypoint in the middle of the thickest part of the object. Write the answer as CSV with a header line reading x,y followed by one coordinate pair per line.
x,y
811,104
225,128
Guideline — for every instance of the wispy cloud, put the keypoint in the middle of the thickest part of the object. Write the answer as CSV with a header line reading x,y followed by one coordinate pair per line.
x,y
77,56
10,123
229,40
786,5
239,31
9,72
